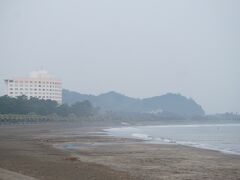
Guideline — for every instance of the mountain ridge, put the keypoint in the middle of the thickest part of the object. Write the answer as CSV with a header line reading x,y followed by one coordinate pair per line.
x,y
113,101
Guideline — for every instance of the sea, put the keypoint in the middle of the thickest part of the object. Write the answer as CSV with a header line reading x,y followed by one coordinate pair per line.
x,y
220,137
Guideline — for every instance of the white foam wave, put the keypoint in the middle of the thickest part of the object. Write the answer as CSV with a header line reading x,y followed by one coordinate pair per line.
x,y
142,136
193,125
121,129
151,135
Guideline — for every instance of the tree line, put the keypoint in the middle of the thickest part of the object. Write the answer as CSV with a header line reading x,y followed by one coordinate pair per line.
x,y
23,105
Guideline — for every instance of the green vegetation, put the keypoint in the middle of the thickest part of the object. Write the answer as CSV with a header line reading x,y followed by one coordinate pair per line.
x,y
168,104
23,110
24,106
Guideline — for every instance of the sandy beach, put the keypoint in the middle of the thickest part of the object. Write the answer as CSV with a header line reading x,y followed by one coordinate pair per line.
x,y
72,151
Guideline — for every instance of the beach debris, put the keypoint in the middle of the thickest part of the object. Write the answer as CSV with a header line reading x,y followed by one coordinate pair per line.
x,y
70,159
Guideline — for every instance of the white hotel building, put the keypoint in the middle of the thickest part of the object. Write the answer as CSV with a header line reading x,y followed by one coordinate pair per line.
x,y
39,84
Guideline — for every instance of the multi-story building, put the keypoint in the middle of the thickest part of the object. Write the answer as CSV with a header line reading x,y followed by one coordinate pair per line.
x,y
39,84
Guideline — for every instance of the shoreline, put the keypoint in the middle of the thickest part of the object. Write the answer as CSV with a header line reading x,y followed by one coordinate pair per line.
x,y
161,140
29,150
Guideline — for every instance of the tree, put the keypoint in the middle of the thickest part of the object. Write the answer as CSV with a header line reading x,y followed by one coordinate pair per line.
x,y
84,108
23,105
63,110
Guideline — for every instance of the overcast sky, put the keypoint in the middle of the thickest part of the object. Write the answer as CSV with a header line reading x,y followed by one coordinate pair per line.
x,y
140,48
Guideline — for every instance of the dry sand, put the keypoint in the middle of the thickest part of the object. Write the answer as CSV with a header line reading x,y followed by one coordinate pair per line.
x,y
39,151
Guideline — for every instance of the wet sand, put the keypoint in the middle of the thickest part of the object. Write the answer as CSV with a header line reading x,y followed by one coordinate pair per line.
x,y
70,151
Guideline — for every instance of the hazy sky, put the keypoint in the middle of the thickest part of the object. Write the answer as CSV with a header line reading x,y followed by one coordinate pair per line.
x,y
140,48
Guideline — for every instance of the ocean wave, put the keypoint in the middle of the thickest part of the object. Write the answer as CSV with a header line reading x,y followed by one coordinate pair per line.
x,y
121,129
191,125
142,136
219,137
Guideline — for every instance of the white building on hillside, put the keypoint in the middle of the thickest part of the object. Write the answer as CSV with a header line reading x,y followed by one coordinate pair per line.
x,y
39,84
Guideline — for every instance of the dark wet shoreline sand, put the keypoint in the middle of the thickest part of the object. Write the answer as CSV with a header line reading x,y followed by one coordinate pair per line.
x,y
29,150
